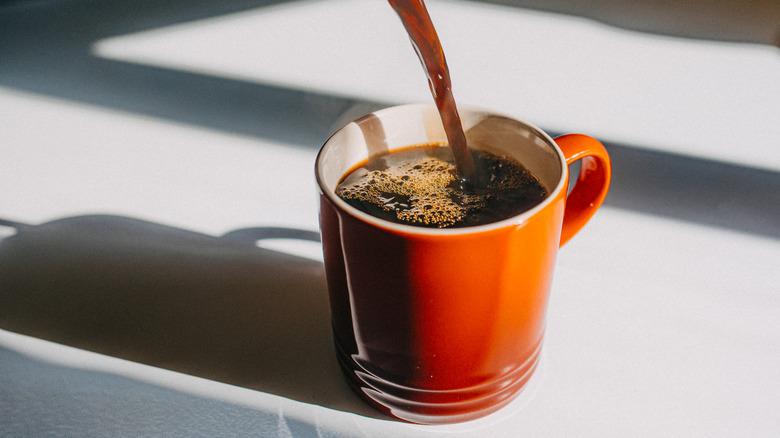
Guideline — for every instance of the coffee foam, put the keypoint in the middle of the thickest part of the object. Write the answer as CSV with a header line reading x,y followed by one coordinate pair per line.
x,y
419,186
416,190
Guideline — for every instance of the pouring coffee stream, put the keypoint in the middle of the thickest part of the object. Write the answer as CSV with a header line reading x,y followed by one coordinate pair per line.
x,y
415,18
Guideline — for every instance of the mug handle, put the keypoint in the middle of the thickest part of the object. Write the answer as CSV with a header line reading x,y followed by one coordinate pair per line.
x,y
592,184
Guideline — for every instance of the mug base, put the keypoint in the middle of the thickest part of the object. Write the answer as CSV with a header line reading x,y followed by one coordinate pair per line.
x,y
425,406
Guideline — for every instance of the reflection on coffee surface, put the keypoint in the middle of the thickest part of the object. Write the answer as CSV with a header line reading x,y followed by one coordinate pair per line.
x,y
419,186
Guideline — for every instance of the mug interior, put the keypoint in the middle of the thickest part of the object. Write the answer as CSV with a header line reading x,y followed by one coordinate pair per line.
x,y
403,126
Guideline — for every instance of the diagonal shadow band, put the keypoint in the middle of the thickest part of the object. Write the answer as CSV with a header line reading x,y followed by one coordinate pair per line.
x,y
706,192
85,21
282,115
747,21
220,308
47,49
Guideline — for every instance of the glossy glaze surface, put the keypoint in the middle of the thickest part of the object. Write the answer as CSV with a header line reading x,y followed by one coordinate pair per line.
x,y
438,326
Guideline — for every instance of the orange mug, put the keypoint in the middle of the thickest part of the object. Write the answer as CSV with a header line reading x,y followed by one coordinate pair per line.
x,y
446,325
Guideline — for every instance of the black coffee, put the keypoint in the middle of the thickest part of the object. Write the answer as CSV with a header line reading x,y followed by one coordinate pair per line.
x,y
419,186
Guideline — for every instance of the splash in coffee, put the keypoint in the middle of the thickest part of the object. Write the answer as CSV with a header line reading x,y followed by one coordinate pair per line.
x,y
415,18
419,186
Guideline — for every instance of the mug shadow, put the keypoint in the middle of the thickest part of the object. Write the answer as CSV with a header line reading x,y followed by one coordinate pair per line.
x,y
220,308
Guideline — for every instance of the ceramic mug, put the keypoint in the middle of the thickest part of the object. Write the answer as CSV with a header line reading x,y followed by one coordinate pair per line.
x,y
446,325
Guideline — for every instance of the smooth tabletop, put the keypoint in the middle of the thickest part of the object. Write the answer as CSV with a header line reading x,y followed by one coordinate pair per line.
x,y
160,273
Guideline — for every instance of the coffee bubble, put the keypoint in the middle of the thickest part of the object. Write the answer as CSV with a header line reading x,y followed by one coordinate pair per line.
x,y
419,186
416,191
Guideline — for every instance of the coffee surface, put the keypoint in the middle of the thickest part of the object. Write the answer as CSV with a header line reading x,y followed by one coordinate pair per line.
x,y
420,186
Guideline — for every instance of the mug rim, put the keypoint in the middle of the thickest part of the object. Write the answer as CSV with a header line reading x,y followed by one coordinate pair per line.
x,y
423,231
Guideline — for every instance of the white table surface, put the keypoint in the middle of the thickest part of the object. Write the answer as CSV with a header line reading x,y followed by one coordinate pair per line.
x,y
144,148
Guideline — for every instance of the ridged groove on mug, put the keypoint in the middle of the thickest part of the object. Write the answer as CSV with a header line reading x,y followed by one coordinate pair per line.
x,y
428,406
